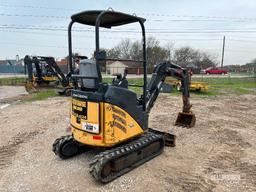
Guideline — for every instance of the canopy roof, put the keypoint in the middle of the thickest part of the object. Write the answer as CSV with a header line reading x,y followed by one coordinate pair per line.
x,y
108,20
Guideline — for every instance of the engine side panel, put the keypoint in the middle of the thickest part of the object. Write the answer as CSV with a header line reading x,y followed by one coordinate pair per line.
x,y
101,124
119,125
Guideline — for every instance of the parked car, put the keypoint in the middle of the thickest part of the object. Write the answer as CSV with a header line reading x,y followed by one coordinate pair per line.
x,y
215,71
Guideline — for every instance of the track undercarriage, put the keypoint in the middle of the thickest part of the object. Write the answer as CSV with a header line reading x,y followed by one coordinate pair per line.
x,y
112,163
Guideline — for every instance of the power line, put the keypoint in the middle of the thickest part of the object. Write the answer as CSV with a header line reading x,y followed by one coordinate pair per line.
x,y
131,29
147,14
241,40
107,37
123,29
243,37
57,35
92,49
36,16
36,7
54,46
197,16
151,20
20,29
198,20
238,50
40,45
58,28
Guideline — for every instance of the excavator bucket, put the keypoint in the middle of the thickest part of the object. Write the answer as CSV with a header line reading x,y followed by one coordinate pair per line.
x,y
186,119
30,88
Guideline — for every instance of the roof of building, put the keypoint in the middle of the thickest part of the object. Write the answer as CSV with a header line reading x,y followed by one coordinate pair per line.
x,y
8,62
130,64
62,62
3,62
117,64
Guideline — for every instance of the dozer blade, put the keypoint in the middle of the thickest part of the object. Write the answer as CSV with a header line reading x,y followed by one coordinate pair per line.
x,y
186,119
169,139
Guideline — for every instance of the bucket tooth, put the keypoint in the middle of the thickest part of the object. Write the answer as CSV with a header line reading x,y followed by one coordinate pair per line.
x,y
186,119
30,88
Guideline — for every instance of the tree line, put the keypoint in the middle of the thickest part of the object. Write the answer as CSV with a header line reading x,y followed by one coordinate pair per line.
x,y
184,56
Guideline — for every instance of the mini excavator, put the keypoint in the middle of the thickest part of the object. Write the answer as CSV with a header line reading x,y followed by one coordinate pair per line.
x,y
112,117
43,71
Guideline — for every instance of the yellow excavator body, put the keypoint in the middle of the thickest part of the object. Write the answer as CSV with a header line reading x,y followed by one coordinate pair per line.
x,y
101,124
50,78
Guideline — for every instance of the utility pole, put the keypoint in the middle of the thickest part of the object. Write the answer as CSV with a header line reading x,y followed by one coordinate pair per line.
x,y
223,50
17,58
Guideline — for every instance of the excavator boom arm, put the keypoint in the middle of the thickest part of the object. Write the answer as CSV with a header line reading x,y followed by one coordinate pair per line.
x,y
55,68
185,118
161,71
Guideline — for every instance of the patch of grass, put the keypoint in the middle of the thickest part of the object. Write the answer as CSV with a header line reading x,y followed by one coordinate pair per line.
x,y
240,90
41,95
12,81
243,73
217,86
139,90
107,80
228,84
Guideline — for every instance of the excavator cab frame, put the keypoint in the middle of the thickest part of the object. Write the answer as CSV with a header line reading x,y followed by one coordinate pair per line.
x,y
108,19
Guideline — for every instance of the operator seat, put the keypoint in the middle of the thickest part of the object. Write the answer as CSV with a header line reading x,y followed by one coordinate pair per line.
x,y
88,69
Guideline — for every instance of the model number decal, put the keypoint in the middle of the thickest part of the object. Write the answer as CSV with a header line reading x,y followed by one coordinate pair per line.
x,y
79,103
79,108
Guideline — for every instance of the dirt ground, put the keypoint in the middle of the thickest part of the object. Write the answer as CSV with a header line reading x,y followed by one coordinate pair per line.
x,y
7,92
218,154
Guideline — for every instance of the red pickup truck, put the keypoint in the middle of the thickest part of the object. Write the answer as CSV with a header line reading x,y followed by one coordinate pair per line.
x,y
215,71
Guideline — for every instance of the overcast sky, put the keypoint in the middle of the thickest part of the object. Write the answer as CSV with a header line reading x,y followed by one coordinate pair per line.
x,y
39,27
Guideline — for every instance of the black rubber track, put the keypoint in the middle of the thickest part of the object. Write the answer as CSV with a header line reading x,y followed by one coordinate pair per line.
x,y
59,144
102,159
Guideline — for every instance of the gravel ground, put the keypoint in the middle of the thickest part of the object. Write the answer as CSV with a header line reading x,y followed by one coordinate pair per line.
x,y
11,94
218,154
7,92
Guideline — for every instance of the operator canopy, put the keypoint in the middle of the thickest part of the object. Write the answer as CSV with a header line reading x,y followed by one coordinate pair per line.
x,y
108,20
